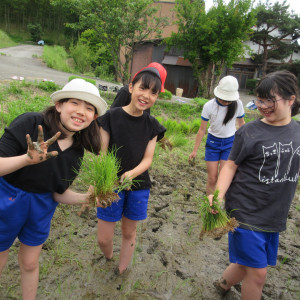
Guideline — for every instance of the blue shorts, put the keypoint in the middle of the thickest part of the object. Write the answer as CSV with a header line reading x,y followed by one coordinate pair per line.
x,y
254,249
132,204
217,149
24,215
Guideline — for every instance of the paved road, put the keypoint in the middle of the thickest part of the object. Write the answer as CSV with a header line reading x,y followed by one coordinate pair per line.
x,y
19,61
22,61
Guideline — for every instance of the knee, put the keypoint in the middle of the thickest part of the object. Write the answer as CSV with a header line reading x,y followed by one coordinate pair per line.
x,y
28,265
212,178
104,242
259,276
129,235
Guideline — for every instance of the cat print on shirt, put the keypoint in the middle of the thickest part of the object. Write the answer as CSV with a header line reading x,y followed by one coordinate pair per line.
x,y
276,166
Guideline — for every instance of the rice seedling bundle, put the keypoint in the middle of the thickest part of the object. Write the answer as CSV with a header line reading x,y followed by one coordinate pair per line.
x,y
101,171
215,221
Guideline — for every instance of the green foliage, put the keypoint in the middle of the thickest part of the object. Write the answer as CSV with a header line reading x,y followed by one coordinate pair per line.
x,y
270,18
119,25
101,171
211,221
251,84
83,56
35,31
167,95
56,58
214,39
93,81
102,71
177,140
48,86
5,40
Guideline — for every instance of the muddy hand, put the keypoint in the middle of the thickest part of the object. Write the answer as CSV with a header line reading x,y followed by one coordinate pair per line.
x,y
126,181
37,151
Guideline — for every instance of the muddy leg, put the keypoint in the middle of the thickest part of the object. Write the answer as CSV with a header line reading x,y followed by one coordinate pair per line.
x,y
128,243
233,274
105,237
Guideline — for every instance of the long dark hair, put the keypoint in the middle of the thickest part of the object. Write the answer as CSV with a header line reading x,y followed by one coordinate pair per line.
x,y
282,83
231,109
149,81
88,138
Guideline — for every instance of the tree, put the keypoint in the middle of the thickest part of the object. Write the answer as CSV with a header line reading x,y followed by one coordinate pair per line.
x,y
121,25
214,39
274,25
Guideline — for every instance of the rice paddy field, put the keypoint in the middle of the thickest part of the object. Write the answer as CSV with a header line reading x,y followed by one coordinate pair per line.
x,y
170,262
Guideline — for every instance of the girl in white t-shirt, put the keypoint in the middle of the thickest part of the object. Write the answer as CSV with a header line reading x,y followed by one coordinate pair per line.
x,y
222,112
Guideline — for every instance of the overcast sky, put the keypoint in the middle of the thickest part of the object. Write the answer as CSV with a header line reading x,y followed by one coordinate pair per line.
x,y
294,4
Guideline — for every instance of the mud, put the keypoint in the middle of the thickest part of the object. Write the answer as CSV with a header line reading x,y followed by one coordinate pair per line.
x,y
170,262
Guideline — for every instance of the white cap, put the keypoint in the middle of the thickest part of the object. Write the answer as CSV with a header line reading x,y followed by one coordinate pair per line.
x,y
227,89
82,90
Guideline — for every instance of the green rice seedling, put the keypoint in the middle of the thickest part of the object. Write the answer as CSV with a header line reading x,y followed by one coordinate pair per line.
x,y
101,171
215,221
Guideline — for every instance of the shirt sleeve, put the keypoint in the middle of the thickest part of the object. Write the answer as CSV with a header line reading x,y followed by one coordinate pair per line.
x,y
104,121
158,130
122,98
241,111
205,115
13,141
239,148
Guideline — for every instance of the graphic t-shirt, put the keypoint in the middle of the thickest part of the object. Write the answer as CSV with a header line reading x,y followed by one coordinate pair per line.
x,y
268,159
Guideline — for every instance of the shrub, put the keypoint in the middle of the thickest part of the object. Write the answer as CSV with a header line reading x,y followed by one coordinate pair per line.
x,y
56,58
83,56
35,31
167,95
251,84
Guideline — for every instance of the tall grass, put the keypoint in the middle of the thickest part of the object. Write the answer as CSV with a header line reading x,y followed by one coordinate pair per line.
x,y
5,40
56,58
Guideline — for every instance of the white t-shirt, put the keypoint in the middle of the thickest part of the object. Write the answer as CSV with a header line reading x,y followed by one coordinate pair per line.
x,y
214,112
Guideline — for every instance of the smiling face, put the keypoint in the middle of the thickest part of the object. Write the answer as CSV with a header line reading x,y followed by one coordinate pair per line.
x,y
75,115
275,111
142,98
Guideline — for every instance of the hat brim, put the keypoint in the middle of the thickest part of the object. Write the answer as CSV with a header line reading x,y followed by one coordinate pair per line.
x,y
98,102
226,96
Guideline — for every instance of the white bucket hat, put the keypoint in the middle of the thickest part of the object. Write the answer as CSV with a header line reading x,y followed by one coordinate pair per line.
x,y
227,89
82,90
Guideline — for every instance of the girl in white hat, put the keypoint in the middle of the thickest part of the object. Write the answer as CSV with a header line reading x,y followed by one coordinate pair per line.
x,y
221,113
34,176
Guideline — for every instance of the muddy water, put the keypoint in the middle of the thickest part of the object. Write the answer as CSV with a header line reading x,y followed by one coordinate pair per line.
x,y
170,262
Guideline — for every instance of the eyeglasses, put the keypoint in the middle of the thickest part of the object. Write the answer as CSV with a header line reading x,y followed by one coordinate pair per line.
x,y
266,102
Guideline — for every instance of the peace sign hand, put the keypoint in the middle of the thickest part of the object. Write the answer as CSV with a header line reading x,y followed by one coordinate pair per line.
x,y
37,151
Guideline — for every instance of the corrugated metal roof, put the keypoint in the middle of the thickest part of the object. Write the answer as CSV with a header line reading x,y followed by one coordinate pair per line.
x,y
176,61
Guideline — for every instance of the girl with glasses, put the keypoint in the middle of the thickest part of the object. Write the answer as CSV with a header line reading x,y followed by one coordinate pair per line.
x,y
259,182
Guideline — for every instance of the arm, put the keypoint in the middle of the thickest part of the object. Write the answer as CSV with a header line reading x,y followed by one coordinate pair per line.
x,y
104,137
36,153
70,197
144,164
199,137
225,177
240,122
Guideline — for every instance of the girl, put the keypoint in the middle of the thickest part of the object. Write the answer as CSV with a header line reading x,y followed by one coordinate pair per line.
x,y
134,134
37,175
259,181
222,113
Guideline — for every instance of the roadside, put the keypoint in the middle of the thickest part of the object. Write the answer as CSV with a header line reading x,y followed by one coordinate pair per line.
x,y
22,61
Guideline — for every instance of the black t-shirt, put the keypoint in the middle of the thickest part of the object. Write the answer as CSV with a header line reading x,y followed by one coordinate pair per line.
x,y
123,98
130,136
55,174
268,159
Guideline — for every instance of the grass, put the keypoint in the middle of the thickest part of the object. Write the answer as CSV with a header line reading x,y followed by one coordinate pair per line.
x,y
6,40
101,171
